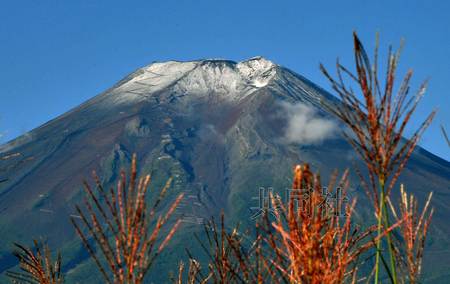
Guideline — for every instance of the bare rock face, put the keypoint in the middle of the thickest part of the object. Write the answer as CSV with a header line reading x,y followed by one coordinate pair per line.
x,y
222,129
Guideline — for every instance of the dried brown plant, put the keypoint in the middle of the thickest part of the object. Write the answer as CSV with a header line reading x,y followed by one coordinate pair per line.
x,y
193,274
37,265
254,261
377,123
310,242
413,233
234,257
121,226
229,261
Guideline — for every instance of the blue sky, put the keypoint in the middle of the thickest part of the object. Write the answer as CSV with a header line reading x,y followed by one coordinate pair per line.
x,y
56,54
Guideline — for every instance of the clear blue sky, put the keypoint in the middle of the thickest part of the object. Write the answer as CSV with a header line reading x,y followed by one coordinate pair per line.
x,y
56,54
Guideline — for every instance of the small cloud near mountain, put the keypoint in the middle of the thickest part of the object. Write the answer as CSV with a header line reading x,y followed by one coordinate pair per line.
x,y
305,126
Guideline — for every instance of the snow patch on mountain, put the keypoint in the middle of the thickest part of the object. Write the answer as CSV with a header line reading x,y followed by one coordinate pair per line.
x,y
257,70
153,78
214,77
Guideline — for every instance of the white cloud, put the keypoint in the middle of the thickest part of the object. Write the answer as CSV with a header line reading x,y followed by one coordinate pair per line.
x,y
305,126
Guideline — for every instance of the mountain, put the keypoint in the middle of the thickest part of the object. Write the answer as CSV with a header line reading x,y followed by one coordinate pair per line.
x,y
222,129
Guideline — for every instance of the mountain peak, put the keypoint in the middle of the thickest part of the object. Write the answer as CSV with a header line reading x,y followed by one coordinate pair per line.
x,y
258,70
199,77
260,61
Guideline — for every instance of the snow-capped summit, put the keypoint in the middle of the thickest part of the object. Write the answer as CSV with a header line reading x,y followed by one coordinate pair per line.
x,y
201,77
257,70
